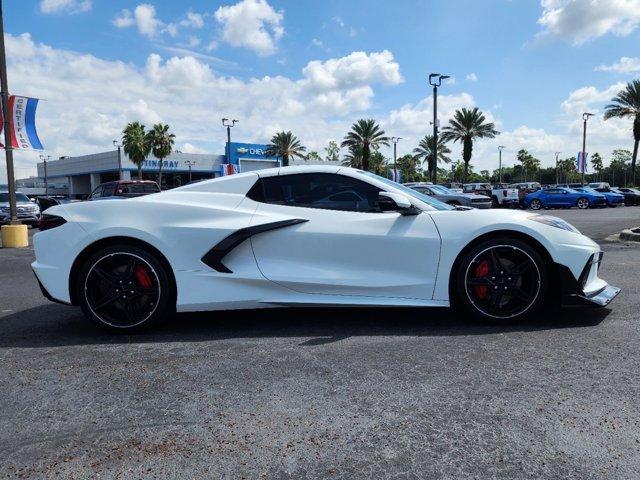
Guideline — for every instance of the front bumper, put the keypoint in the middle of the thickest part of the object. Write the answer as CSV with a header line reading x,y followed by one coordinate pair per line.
x,y
27,218
588,288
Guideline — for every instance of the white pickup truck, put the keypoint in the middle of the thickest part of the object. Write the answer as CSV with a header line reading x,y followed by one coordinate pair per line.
x,y
501,195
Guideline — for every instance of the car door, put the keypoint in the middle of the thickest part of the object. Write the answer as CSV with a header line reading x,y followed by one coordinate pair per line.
x,y
553,197
340,249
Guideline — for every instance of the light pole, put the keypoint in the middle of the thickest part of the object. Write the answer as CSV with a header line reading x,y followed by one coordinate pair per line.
x,y
46,181
117,144
435,80
557,181
583,165
395,141
189,164
225,123
500,148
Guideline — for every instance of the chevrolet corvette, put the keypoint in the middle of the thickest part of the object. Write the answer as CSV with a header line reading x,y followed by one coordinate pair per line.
x,y
307,236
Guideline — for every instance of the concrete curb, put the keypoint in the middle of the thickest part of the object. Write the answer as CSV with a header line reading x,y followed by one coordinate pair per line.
x,y
631,234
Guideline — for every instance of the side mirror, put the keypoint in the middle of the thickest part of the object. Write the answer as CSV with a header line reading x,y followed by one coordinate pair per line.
x,y
396,202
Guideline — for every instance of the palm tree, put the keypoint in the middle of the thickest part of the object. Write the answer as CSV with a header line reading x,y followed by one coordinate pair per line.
x,y
160,141
424,152
365,134
285,145
627,104
135,144
466,126
353,159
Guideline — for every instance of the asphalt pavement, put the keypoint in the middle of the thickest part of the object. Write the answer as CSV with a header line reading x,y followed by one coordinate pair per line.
x,y
329,393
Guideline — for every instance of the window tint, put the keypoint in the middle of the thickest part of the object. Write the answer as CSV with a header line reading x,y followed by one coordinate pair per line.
x,y
97,193
108,189
317,190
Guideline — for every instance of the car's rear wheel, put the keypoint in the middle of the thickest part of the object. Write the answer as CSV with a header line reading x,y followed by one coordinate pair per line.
x,y
124,288
583,203
535,204
501,280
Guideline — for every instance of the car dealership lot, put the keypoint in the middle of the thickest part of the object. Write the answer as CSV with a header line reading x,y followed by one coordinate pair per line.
x,y
345,393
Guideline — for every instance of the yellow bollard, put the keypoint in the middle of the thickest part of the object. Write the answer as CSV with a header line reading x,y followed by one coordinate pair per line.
x,y
15,236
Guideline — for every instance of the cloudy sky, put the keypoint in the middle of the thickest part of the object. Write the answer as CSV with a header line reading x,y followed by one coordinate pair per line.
x,y
315,67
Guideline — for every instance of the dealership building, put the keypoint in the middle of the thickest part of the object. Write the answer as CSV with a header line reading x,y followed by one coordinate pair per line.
x,y
84,173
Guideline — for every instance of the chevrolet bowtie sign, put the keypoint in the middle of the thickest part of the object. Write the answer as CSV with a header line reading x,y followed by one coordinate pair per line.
x,y
250,151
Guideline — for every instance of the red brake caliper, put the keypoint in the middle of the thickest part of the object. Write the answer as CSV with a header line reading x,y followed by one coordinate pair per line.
x,y
482,270
143,276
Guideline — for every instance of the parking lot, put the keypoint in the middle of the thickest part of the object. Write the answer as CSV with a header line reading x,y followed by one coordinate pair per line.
x,y
328,393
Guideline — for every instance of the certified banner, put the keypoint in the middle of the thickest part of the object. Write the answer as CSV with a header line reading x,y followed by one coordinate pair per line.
x,y
22,111
581,162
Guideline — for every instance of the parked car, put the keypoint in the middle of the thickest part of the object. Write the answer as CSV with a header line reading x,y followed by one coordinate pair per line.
x,y
124,189
596,185
631,195
613,199
27,211
453,186
257,239
524,189
569,185
453,198
46,201
501,195
563,198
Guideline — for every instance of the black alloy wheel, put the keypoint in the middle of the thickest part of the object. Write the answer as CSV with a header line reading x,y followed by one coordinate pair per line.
x,y
502,280
124,288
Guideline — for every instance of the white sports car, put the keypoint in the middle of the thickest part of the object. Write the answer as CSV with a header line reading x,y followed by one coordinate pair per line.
x,y
307,236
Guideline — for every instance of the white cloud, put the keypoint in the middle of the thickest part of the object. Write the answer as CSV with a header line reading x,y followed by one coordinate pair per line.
x,y
354,70
624,65
583,20
146,21
317,43
190,148
252,24
586,98
472,77
89,99
193,20
211,46
124,19
65,6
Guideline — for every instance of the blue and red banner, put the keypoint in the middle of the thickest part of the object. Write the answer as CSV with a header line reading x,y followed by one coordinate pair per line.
x,y
22,111
581,162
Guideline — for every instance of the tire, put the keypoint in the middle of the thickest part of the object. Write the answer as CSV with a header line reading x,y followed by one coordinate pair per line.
x,y
583,203
124,288
535,204
501,280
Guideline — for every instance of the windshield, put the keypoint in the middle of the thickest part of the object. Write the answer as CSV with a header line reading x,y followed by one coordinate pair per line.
x,y
440,189
20,197
437,204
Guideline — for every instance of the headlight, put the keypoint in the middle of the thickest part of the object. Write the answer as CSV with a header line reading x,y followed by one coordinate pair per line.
x,y
554,222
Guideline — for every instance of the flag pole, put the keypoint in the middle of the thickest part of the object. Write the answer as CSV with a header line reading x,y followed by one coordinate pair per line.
x,y
8,124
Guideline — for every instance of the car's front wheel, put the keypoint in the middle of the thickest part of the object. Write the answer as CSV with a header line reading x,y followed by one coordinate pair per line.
x,y
124,288
583,203
535,204
501,280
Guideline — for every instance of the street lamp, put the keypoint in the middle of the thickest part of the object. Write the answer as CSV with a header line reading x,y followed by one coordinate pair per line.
x,y
46,182
435,80
583,164
117,144
557,181
500,148
225,123
189,164
395,141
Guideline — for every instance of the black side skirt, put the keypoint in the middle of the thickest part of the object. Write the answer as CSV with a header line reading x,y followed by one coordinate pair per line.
x,y
213,258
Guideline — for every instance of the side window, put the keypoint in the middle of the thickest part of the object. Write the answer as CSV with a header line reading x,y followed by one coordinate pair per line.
x,y
553,191
108,189
318,190
97,192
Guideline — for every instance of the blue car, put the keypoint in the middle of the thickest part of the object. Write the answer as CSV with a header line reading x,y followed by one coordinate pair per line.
x,y
564,198
614,199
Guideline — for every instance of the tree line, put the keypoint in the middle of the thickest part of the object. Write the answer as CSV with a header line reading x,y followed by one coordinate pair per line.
x,y
365,138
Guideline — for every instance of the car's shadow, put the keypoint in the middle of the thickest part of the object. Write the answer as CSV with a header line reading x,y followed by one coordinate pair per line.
x,y
56,325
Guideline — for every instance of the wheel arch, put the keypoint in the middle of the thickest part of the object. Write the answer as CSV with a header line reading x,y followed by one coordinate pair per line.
x,y
117,240
516,235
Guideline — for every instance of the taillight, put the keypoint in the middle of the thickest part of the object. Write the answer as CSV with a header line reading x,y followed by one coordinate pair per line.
x,y
48,221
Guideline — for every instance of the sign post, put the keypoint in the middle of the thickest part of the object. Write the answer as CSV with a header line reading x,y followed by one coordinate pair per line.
x,y
15,234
